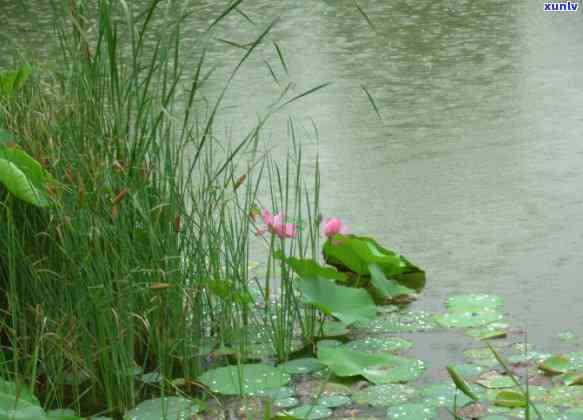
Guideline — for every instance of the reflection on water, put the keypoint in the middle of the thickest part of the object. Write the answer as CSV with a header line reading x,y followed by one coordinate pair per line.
x,y
474,170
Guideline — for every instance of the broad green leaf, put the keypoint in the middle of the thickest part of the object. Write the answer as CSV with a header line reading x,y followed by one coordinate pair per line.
x,y
495,380
333,401
379,368
356,253
21,392
473,303
384,395
575,378
461,383
374,345
307,268
302,366
385,287
245,379
347,304
168,408
510,398
394,322
443,394
13,80
412,411
310,412
12,409
567,396
461,319
555,365
23,176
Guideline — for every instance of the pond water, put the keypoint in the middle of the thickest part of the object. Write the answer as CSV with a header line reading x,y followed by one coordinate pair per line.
x,y
473,170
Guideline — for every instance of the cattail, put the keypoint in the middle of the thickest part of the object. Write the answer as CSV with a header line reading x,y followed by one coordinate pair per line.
x,y
115,201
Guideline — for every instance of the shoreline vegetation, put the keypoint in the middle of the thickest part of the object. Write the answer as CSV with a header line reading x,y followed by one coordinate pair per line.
x,y
128,288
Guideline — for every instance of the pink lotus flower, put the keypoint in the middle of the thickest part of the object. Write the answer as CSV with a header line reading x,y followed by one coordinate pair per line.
x,y
334,226
275,225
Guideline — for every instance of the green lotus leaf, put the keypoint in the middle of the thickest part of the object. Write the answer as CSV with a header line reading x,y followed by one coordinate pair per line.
x,y
311,412
386,288
461,383
373,345
356,253
473,303
23,177
444,394
302,366
308,268
555,365
496,380
170,408
384,395
412,321
412,411
245,379
333,401
566,396
378,368
510,398
347,304
21,409
460,319
20,392
287,402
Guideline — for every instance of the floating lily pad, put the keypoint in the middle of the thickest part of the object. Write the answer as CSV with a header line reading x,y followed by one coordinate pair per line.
x,y
496,380
574,414
443,394
171,408
489,332
377,368
288,402
302,366
20,391
384,395
276,393
460,319
330,343
381,344
311,412
510,398
469,370
473,303
334,329
575,378
10,408
567,396
533,356
396,322
412,411
333,401
227,380
555,365
575,360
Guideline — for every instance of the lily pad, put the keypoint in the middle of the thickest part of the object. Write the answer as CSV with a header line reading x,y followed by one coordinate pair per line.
x,y
334,329
384,395
461,319
469,370
495,380
171,408
287,402
11,408
333,401
377,368
246,379
473,303
555,365
567,396
311,412
395,322
302,366
381,344
412,411
510,398
443,394
276,393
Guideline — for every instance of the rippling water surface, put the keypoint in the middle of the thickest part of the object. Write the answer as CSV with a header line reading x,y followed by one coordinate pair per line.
x,y
474,170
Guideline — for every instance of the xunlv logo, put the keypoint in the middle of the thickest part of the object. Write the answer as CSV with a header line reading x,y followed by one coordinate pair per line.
x,y
561,7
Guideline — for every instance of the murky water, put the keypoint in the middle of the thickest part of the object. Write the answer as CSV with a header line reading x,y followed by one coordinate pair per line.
x,y
475,169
